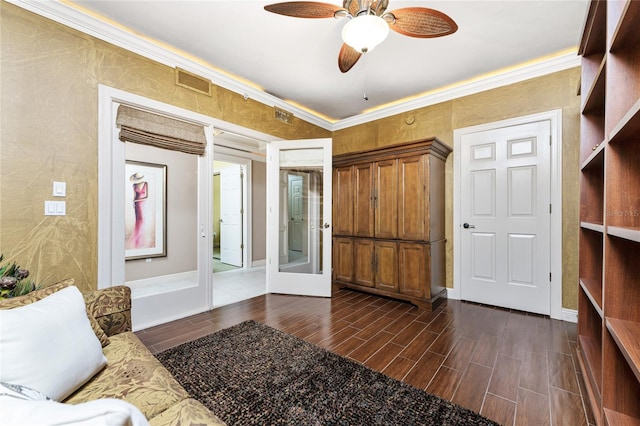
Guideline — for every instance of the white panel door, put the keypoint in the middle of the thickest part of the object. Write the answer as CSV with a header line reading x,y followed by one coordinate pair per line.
x,y
309,272
231,215
505,215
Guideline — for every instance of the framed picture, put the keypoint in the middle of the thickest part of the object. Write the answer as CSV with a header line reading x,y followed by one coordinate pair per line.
x,y
145,210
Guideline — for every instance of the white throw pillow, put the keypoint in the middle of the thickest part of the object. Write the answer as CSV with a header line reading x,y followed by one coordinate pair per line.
x,y
49,345
108,412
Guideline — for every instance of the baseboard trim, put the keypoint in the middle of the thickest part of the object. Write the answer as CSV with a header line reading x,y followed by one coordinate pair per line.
x,y
163,284
453,293
259,262
569,315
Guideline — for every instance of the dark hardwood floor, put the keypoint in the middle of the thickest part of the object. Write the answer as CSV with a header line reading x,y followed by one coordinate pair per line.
x,y
513,367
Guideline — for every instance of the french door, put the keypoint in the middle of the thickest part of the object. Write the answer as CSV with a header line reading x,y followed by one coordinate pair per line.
x,y
303,166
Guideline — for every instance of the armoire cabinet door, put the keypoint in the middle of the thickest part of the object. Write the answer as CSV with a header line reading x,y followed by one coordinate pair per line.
x,y
413,181
364,262
386,265
413,265
386,199
363,218
343,259
343,200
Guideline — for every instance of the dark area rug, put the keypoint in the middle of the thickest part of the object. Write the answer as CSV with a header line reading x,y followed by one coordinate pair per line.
x,y
252,374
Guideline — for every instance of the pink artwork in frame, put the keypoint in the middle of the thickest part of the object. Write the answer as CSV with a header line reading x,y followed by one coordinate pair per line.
x,y
145,210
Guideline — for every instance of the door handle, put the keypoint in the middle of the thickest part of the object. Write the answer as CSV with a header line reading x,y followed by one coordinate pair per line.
x,y
467,226
326,225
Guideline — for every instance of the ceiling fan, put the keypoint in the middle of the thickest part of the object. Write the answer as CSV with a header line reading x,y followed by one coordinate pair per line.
x,y
369,23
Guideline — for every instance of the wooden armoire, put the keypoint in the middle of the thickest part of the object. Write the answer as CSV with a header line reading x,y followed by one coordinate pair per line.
x,y
388,221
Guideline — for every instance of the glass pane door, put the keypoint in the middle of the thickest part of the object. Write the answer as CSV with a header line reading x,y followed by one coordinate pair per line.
x,y
299,244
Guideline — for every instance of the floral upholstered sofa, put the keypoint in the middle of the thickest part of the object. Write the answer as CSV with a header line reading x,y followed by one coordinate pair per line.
x,y
127,372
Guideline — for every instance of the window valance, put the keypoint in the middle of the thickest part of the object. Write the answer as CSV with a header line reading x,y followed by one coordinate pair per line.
x,y
147,128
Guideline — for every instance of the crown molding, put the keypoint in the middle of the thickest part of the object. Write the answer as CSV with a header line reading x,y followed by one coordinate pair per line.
x,y
511,76
93,26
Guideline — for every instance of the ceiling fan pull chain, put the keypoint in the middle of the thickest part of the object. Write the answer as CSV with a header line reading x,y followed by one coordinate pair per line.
x,y
364,89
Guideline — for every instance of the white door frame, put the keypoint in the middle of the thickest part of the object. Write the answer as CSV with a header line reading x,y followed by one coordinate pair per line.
x,y
246,201
111,161
555,118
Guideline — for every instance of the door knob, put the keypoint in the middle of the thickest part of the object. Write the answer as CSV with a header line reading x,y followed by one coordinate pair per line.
x,y
467,226
326,225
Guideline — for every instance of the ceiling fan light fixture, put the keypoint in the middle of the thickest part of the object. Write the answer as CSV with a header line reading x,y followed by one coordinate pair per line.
x,y
365,32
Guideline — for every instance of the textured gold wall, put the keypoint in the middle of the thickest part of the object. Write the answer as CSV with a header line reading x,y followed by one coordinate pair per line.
x,y
554,91
49,114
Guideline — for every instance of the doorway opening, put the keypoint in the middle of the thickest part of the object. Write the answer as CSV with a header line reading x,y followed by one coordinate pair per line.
x,y
238,218
163,301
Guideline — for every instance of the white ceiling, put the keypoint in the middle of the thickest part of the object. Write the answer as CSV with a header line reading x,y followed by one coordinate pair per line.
x,y
295,59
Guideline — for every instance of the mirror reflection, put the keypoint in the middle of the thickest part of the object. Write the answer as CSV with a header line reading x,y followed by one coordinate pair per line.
x,y
301,222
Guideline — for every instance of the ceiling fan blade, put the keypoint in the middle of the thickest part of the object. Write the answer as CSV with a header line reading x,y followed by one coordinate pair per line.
x,y
422,22
347,57
304,9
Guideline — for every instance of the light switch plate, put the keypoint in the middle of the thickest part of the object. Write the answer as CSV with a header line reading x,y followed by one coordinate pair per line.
x,y
59,189
55,208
